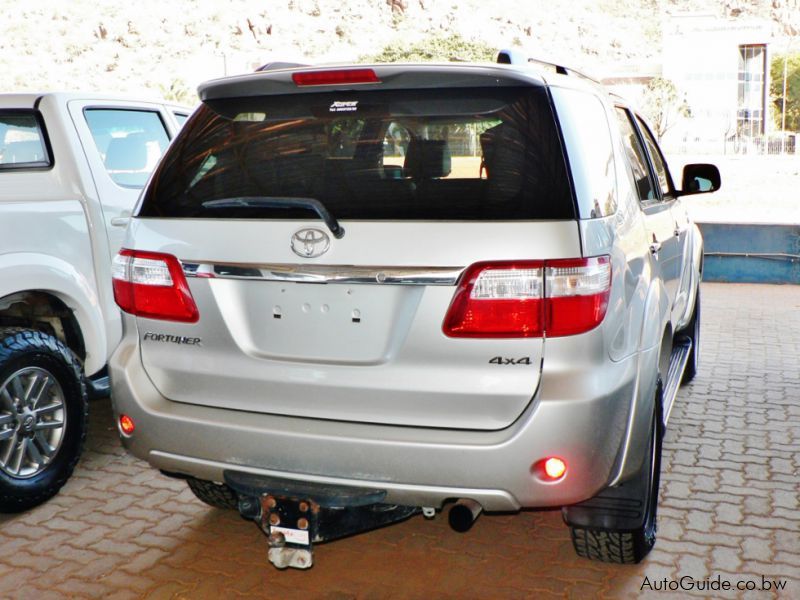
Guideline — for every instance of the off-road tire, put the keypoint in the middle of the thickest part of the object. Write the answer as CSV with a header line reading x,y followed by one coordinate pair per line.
x,y
218,495
22,348
692,332
629,546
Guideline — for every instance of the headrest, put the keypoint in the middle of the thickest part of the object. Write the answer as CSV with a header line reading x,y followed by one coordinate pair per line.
x,y
24,152
428,159
504,151
127,153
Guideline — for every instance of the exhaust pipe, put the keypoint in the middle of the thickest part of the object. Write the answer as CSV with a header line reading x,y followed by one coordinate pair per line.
x,y
463,514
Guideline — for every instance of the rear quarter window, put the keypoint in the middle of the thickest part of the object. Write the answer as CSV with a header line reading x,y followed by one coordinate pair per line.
x,y
23,143
477,154
584,123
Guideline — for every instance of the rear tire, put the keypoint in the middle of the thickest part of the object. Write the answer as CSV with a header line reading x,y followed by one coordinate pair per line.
x,y
218,495
692,332
43,417
628,546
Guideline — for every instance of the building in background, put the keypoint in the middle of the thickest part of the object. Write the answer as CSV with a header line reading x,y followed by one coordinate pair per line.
x,y
720,68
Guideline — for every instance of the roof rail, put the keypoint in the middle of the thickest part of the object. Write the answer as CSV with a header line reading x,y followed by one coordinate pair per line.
x,y
514,57
275,65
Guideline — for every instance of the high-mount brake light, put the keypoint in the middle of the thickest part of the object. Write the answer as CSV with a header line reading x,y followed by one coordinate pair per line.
x,y
152,285
514,299
335,77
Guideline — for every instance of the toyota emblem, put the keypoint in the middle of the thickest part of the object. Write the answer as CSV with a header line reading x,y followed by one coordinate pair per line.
x,y
310,243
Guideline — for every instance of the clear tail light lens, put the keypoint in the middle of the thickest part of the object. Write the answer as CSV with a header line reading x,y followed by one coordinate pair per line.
x,y
510,299
152,285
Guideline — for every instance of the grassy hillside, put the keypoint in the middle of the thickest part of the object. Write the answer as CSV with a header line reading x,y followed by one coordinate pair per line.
x,y
167,48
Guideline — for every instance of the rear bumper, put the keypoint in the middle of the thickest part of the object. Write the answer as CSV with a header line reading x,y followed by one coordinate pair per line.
x,y
583,420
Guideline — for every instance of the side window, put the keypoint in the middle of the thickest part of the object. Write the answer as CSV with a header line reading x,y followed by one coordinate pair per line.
x,y
22,141
130,142
180,118
637,158
658,160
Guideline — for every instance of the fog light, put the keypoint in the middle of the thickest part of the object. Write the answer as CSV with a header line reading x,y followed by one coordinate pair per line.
x,y
549,470
554,468
126,425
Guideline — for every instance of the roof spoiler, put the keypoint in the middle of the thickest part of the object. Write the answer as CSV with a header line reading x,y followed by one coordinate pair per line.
x,y
275,65
515,57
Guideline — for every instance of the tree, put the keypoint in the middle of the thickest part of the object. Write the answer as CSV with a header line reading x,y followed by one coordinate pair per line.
x,y
662,105
436,49
178,91
792,90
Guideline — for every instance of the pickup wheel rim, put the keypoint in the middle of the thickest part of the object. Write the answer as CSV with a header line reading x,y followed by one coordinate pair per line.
x,y
33,419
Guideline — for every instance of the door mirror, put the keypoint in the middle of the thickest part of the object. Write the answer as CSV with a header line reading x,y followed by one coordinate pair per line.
x,y
700,179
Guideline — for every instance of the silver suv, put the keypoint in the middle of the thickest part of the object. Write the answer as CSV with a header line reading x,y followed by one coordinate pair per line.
x,y
357,293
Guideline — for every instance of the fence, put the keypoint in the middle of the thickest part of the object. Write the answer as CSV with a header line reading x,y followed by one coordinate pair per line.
x,y
761,145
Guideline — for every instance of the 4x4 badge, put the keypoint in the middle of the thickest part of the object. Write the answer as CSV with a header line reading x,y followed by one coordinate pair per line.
x,y
310,243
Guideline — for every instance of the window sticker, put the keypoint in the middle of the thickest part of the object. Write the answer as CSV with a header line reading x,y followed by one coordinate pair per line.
x,y
344,106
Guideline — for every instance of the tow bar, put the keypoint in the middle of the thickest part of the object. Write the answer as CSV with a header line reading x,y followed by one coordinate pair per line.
x,y
295,515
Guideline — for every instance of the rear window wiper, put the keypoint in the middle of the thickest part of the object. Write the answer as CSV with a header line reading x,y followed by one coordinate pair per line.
x,y
281,202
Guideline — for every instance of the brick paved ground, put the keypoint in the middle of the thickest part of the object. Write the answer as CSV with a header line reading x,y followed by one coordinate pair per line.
x,y
729,506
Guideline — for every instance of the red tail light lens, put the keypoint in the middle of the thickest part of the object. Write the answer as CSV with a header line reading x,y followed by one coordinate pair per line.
x,y
152,285
335,77
513,299
499,299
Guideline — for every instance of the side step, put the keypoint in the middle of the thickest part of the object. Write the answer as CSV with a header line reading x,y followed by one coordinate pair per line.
x,y
99,386
677,364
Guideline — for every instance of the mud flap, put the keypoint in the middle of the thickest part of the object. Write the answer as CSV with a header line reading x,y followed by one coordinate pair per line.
x,y
295,515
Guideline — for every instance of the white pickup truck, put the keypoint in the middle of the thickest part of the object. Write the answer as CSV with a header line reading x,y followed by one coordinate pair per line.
x,y
71,169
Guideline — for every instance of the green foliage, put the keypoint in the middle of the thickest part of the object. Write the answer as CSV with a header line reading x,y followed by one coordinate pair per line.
x,y
663,105
792,90
177,91
452,48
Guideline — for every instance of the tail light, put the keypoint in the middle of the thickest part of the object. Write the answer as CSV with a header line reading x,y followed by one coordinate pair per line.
x,y
512,299
152,285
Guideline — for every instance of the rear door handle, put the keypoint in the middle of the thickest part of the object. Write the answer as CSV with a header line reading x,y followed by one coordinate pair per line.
x,y
122,220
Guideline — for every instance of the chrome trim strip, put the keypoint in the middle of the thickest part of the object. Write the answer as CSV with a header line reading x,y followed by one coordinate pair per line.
x,y
347,274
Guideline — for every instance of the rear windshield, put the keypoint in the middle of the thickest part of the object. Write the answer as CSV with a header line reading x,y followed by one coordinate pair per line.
x,y
455,154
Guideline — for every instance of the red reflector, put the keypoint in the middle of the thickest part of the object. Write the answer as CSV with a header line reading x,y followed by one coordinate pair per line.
x,y
335,77
514,299
555,468
126,425
152,285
